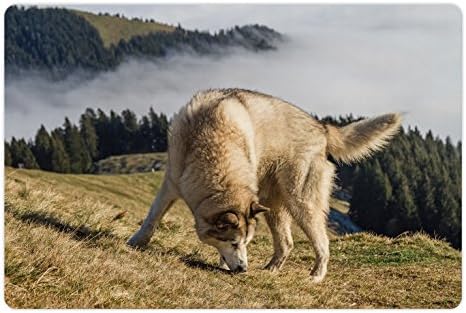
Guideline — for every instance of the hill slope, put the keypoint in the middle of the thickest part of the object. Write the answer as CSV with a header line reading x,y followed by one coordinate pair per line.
x,y
112,29
65,248
58,41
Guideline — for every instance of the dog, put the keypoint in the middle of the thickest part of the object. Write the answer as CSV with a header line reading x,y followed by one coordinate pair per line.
x,y
235,153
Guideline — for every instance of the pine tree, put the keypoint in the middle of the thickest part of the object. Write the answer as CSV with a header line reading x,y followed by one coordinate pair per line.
x,y
358,208
425,199
403,205
164,125
159,131
449,222
14,150
117,130
103,132
80,161
144,134
60,161
22,154
130,124
8,158
88,133
154,130
43,149
371,212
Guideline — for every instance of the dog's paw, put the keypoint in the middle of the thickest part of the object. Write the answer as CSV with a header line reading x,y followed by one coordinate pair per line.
x,y
317,278
318,274
137,242
274,265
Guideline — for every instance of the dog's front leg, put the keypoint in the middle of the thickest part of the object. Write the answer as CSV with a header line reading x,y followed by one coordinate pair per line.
x,y
159,207
279,222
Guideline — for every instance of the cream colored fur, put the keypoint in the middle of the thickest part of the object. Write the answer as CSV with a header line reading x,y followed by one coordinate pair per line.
x,y
350,143
231,149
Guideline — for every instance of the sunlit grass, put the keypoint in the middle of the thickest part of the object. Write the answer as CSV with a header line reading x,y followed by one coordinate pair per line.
x,y
112,29
65,248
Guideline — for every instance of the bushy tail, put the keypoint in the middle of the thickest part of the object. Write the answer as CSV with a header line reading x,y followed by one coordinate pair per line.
x,y
359,140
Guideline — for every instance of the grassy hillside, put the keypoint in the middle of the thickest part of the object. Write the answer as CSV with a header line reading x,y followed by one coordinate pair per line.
x,y
129,163
112,28
65,248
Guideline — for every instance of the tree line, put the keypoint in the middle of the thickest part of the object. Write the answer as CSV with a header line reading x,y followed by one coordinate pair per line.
x,y
74,148
59,41
412,185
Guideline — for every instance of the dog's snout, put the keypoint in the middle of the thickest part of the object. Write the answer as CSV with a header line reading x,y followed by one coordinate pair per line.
x,y
241,269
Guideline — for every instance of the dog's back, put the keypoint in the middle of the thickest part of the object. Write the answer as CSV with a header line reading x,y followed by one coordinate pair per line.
x,y
267,124
230,123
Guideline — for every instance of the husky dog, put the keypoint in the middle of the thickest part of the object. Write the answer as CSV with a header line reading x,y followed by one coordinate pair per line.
x,y
235,153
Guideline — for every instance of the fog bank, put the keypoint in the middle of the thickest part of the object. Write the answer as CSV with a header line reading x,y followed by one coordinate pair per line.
x,y
365,61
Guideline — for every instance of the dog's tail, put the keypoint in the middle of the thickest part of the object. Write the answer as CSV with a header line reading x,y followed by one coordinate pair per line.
x,y
359,140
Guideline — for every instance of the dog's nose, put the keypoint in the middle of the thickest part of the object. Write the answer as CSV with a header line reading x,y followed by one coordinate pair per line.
x,y
241,268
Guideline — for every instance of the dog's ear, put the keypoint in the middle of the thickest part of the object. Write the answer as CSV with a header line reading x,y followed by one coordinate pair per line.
x,y
226,220
256,208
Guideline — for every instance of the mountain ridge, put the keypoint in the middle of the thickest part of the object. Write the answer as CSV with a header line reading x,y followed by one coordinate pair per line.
x,y
60,41
113,28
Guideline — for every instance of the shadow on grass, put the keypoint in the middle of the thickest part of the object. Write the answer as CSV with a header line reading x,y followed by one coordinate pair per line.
x,y
84,233
191,260
78,233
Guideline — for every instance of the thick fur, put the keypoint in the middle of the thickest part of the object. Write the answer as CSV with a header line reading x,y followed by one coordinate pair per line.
x,y
234,153
358,140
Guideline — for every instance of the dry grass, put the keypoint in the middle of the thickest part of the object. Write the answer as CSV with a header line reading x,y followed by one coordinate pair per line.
x,y
112,29
65,249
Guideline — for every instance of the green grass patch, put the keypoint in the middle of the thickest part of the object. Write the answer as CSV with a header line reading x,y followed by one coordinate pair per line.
x,y
363,248
112,29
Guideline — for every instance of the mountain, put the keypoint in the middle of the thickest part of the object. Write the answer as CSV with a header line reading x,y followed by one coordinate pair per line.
x,y
113,28
59,40
65,248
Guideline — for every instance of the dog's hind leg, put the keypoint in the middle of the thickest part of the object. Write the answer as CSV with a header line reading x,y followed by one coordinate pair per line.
x,y
315,228
279,222
308,191
164,199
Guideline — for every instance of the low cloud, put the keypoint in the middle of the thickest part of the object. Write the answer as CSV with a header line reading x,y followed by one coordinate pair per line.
x,y
354,61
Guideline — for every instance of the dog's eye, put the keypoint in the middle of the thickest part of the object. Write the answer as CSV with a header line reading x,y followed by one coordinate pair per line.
x,y
235,245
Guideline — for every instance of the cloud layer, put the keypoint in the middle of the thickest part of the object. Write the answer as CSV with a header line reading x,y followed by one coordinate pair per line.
x,y
364,60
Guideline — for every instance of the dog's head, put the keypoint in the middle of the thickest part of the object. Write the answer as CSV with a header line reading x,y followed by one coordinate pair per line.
x,y
230,231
